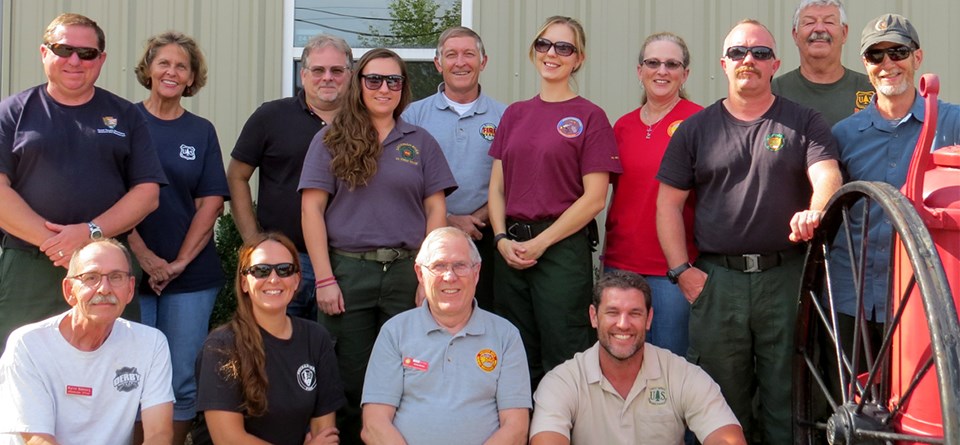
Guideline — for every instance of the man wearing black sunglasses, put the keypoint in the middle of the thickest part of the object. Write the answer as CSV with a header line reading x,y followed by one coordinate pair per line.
x,y
76,164
877,145
762,168
822,82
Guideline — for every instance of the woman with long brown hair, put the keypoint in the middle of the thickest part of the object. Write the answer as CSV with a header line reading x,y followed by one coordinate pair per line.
x,y
266,375
372,187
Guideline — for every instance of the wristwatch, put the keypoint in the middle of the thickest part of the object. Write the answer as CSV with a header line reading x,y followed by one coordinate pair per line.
x,y
498,237
95,232
674,274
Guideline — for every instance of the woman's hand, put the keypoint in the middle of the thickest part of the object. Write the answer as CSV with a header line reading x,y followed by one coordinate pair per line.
x,y
514,254
330,299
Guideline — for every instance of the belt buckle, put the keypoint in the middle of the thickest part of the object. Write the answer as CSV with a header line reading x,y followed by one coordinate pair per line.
x,y
387,255
752,263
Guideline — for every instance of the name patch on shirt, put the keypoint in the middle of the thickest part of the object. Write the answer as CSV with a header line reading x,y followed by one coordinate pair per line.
x,y
414,363
79,391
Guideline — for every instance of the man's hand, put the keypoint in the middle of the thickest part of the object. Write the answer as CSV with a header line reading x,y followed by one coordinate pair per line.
x,y
803,224
68,239
691,283
468,223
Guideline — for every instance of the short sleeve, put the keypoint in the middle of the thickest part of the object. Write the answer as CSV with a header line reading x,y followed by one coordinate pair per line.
x,y
213,181
555,405
436,171
330,395
28,400
158,382
252,140
316,172
216,388
513,389
384,379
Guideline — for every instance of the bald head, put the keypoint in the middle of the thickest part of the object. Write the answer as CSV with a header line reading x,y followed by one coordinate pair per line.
x,y
752,28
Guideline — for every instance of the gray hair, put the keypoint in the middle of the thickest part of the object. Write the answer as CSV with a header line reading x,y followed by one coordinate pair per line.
x,y
442,233
459,31
323,40
804,4
75,258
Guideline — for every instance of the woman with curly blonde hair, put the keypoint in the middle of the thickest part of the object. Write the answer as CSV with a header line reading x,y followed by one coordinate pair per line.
x,y
265,374
372,187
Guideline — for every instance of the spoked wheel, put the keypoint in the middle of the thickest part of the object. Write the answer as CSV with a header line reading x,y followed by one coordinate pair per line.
x,y
868,394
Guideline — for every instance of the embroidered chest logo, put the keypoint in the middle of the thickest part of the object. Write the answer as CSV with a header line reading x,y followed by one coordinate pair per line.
x,y
658,395
307,377
127,379
187,152
775,142
487,360
570,127
111,123
408,153
863,99
673,127
414,363
488,131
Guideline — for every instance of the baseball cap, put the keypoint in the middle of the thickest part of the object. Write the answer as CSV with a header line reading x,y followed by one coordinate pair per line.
x,y
889,28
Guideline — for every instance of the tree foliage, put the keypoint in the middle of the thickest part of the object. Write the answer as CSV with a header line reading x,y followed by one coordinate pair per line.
x,y
414,24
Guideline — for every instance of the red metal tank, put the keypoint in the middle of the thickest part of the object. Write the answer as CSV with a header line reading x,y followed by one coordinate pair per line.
x,y
933,186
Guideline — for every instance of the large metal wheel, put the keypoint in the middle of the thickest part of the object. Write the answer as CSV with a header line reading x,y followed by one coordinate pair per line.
x,y
859,407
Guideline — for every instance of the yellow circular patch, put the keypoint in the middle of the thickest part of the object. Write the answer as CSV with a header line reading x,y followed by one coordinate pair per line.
x,y
487,360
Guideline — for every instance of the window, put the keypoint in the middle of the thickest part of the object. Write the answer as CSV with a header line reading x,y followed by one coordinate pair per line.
x,y
409,27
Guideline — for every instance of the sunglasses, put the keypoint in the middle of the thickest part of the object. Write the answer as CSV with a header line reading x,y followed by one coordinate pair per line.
x,y
284,270
375,81
654,64
335,71
65,51
740,52
896,53
562,49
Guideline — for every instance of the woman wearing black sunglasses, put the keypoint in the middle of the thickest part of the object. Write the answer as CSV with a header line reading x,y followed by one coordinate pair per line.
x,y
264,374
174,244
372,187
553,155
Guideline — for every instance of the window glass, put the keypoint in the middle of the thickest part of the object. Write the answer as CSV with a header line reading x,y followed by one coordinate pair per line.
x,y
376,23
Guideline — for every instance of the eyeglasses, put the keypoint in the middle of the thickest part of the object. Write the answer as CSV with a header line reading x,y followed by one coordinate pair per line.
x,y
284,270
93,279
335,71
65,51
563,49
459,269
896,53
375,81
654,64
740,52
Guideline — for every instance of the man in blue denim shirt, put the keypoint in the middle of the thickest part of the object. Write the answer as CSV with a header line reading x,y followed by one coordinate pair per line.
x,y
877,144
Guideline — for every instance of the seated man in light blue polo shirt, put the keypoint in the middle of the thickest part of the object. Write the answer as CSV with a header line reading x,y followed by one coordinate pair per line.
x,y
447,371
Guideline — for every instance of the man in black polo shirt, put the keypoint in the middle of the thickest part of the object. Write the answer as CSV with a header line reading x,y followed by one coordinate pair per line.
x,y
275,139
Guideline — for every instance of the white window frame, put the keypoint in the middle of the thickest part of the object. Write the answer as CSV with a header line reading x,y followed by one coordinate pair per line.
x,y
292,53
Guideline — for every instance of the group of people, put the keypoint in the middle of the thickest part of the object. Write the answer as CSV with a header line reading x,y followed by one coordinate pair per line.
x,y
467,208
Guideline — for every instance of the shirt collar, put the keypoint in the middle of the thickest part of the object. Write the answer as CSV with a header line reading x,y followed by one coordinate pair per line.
x,y
876,120
650,370
480,107
474,325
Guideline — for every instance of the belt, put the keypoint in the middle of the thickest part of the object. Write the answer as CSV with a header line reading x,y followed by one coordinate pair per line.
x,y
526,230
382,255
751,262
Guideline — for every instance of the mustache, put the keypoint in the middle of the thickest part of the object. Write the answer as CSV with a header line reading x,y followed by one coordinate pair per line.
x,y
100,299
820,35
747,69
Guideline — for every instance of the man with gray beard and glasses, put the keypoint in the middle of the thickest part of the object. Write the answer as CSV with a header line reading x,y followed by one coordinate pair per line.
x,y
822,82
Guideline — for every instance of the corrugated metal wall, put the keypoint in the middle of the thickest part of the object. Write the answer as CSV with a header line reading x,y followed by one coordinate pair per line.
x,y
615,29
243,42
241,39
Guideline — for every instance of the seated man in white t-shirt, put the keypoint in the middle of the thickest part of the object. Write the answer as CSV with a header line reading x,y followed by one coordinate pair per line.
x,y
81,376
623,391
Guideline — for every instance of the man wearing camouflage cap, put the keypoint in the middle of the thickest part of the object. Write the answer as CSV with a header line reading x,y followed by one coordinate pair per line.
x,y
877,144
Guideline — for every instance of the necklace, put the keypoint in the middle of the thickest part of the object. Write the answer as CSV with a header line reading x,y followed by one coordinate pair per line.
x,y
644,117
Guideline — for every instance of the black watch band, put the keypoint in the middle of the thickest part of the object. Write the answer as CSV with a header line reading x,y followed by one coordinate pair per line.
x,y
674,274
498,237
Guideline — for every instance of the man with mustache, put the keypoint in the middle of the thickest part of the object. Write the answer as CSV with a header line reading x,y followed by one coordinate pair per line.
x,y
877,145
81,377
822,82
762,168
